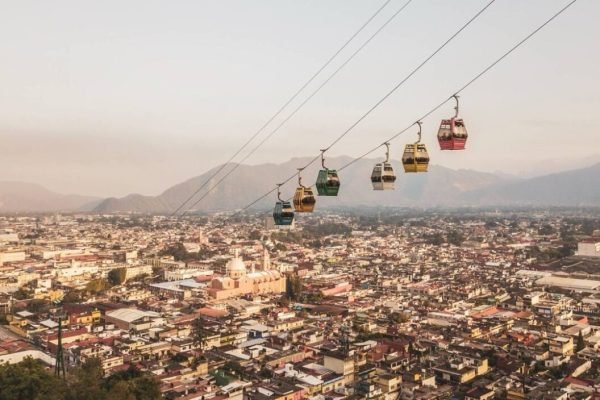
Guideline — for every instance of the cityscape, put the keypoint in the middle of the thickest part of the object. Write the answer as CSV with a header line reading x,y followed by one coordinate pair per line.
x,y
299,200
481,304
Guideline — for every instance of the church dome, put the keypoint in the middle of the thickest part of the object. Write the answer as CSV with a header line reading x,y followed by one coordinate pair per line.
x,y
236,266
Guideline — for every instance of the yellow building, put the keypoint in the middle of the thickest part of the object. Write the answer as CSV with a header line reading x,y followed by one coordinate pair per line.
x,y
239,282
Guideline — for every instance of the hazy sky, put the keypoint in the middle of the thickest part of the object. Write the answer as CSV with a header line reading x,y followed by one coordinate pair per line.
x,y
113,97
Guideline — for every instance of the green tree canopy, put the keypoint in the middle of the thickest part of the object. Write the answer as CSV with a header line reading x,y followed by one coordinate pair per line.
x,y
117,276
293,287
30,380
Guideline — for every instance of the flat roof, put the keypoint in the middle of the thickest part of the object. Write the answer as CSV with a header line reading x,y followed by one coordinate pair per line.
x,y
582,284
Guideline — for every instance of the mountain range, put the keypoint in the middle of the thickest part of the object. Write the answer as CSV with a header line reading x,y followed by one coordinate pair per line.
x,y
439,187
30,197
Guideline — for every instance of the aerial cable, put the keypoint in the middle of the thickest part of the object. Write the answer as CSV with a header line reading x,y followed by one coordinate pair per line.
x,y
301,105
373,108
386,96
280,110
437,107
389,93
469,83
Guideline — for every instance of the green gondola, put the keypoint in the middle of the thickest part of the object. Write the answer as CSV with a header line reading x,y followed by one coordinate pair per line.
x,y
328,182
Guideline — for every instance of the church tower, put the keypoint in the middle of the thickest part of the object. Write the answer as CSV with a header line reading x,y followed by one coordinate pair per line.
x,y
266,266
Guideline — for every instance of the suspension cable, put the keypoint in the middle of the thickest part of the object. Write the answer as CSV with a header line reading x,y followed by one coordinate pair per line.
x,y
373,108
434,109
301,105
283,107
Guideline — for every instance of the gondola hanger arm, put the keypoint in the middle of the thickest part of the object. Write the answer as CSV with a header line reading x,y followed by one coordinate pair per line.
x,y
300,177
323,158
455,97
419,133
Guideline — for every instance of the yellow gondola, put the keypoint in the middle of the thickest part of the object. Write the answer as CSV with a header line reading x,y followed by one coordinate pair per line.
x,y
415,157
304,198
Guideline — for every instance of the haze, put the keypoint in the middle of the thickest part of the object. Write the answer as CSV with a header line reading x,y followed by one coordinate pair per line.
x,y
109,98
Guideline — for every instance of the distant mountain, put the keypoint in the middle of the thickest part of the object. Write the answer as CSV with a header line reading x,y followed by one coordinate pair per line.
x,y
580,187
441,186
30,197
438,188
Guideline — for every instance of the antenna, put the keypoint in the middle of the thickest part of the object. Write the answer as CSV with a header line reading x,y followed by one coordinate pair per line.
x,y
59,366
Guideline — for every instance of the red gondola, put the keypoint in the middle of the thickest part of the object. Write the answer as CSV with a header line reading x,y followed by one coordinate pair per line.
x,y
452,134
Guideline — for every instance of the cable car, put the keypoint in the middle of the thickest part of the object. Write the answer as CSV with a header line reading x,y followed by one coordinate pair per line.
x,y
383,176
328,182
283,213
415,157
452,134
304,198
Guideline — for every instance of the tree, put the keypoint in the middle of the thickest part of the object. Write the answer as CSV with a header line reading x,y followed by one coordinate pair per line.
x,y
38,305
22,294
199,333
235,368
293,287
280,247
455,238
399,317
117,276
255,235
97,285
29,380
121,391
86,382
435,239
580,343
546,229
73,296
132,384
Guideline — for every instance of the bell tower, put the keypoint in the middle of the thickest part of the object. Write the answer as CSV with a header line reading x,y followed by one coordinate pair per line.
x,y
266,264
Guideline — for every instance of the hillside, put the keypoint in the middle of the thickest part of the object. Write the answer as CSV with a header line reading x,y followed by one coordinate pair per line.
x,y
570,188
440,186
29,197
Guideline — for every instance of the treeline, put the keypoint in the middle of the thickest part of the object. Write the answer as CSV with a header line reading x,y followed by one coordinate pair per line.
x,y
31,380
311,235
179,253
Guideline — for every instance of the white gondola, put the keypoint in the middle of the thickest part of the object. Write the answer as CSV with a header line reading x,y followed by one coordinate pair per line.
x,y
383,177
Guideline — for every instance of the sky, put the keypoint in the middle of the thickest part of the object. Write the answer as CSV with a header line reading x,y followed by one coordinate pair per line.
x,y
116,97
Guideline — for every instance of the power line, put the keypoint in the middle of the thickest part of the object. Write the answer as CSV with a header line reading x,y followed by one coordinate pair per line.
x,y
434,109
280,110
301,105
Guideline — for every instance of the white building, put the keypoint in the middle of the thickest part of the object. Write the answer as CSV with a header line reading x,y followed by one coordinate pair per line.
x,y
588,249
12,256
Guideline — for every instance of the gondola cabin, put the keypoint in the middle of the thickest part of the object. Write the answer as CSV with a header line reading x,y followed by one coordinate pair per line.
x,y
383,176
452,134
283,214
328,182
304,200
415,158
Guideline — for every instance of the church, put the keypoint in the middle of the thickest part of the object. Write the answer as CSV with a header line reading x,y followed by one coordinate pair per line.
x,y
239,282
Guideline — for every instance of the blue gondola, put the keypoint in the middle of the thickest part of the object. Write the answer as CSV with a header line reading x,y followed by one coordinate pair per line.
x,y
283,213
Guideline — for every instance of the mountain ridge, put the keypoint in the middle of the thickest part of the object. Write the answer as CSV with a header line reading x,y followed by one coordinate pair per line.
x,y
440,187
18,196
